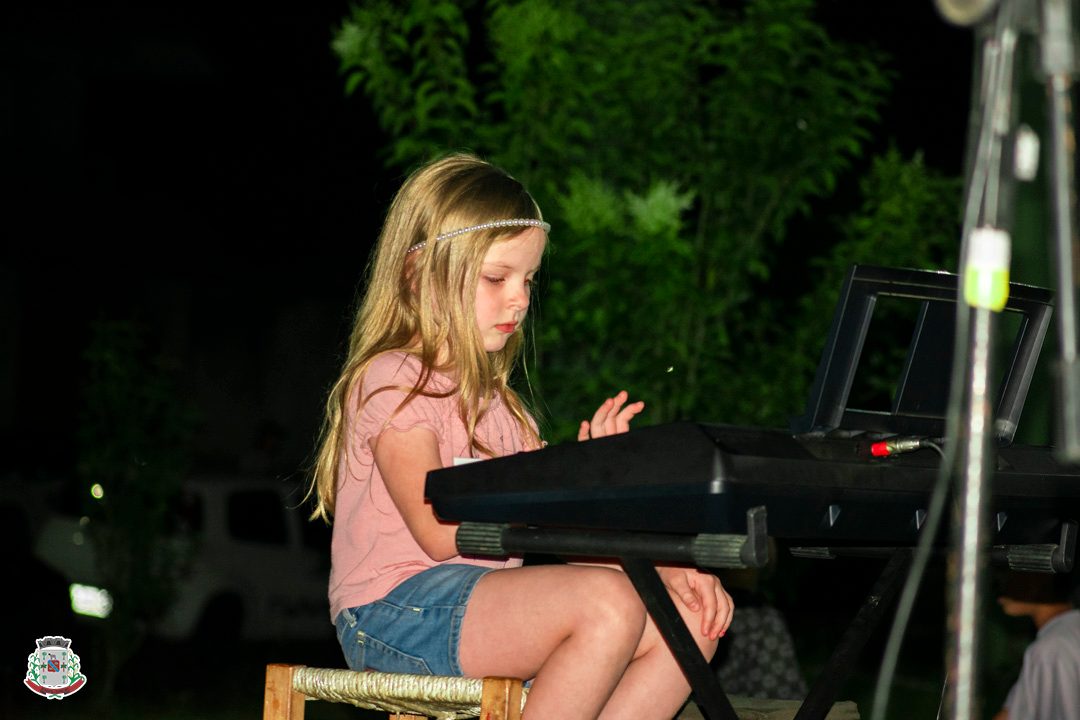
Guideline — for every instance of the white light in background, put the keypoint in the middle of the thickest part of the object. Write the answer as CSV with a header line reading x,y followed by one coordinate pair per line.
x,y
90,600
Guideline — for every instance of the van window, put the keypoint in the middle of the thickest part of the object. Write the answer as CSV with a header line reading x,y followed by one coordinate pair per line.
x,y
257,516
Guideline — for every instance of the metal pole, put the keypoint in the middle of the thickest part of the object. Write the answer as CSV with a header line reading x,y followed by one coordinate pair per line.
x,y
967,562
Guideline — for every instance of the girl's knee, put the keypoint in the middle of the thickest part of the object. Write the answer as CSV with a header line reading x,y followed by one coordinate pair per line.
x,y
611,603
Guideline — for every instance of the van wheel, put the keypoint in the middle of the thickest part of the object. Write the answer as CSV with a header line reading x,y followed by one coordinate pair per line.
x,y
222,620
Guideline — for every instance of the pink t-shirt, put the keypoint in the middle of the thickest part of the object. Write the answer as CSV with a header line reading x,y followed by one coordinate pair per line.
x,y
372,550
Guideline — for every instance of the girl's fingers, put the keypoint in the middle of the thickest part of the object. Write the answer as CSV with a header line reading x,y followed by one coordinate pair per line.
x,y
680,586
598,418
627,414
613,416
611,421
710,607
727,610
716,611
718,619
696,592
616,422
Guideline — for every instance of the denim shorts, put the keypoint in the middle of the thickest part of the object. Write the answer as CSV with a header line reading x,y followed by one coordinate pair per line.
x,y
416,628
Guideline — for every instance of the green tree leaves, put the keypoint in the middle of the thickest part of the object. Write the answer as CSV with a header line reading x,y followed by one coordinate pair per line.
x,y
671,143
411,62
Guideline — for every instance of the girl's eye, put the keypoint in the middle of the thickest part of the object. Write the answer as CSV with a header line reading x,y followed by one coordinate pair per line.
x,y
494,280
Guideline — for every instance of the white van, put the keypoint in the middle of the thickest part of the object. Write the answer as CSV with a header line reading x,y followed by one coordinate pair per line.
x,y
258,569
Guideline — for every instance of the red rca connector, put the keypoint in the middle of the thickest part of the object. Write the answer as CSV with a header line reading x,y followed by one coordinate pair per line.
x,y
895,446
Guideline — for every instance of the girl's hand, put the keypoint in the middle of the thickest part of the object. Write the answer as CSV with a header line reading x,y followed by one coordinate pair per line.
x,y
702,593
610,418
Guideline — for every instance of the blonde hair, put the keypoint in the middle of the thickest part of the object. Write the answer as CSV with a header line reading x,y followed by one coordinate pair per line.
x,y
422,303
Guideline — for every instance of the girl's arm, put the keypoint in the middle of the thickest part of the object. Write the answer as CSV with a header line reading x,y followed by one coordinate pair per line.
x,y
404,459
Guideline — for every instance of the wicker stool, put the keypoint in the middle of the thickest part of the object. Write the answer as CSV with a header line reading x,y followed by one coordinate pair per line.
x,y
403,696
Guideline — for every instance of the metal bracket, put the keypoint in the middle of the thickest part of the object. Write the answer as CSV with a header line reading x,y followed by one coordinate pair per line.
x,y
1042,557
705,550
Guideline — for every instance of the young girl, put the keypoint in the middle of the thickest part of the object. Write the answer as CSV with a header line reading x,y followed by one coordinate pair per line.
x,y
427,382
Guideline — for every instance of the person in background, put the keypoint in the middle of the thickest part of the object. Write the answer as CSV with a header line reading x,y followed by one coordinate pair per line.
x,y
1049,684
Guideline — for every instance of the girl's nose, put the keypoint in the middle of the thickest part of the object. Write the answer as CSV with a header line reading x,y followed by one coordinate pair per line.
x,y
520,298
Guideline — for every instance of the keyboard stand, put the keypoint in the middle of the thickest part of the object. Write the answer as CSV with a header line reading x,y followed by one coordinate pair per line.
x,y
639,552
823,693
708,695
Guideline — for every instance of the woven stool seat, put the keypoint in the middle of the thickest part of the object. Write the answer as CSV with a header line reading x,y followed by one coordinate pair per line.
x,y
444,698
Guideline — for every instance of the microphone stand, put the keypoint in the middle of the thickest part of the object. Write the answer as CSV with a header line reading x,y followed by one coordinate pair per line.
x,y
982,293
983,290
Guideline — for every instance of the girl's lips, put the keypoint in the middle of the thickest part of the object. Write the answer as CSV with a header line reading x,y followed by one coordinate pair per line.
x,y
506,327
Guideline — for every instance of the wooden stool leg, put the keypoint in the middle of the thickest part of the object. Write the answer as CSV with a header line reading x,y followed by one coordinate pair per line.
x,y
501,699
280,701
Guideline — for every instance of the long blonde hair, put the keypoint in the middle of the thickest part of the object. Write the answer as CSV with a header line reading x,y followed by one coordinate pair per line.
x,y
421,302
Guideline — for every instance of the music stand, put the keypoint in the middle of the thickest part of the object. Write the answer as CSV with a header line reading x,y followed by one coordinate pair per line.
x,y
918,405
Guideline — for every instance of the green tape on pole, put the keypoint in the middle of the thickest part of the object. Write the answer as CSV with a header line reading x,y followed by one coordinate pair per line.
x,y
986,272
987,289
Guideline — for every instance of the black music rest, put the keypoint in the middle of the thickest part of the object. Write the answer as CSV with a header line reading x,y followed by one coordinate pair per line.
x,y
699,478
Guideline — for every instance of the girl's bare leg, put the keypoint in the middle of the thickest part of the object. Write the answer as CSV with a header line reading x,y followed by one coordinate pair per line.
x,y
582,632
653,685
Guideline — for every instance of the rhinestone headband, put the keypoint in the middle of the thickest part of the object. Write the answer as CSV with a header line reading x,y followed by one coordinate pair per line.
x,y
513,222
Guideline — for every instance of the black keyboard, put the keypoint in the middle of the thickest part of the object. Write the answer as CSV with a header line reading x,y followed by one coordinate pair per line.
x,y
699,478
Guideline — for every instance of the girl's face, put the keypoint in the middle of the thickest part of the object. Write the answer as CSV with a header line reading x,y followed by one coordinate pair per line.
x,y
502,292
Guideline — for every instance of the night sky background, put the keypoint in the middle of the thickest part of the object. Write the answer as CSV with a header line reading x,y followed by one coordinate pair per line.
x,y
197,167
